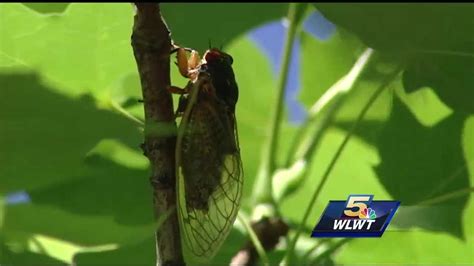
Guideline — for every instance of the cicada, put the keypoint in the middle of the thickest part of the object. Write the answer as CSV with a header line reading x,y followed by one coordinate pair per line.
x,y
208,163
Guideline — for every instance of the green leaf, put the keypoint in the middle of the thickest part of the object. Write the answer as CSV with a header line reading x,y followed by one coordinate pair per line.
x,y
24,257
196,25
420,163
436,43
468,144
408,248
357,156
425,111
256,94
82,230
423,104
86,49
99,177
45,150
142,253
403,26
325,62
452,77
47,8
352,174
45,136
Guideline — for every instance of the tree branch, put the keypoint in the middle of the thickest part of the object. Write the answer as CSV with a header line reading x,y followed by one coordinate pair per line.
x,y
151,44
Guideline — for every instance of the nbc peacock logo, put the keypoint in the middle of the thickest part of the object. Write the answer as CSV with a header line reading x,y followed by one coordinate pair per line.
x,y
368,213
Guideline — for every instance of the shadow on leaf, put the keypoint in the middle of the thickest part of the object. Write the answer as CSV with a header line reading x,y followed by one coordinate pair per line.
x,y
419,163
75,197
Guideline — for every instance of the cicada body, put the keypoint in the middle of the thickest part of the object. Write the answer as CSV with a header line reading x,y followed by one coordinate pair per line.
x,y
208,163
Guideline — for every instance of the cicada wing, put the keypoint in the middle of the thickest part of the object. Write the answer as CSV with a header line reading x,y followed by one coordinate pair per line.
x,y
204,231
210,179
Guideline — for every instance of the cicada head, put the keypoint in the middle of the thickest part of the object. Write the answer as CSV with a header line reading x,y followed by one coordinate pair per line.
x,y
217,58
219,65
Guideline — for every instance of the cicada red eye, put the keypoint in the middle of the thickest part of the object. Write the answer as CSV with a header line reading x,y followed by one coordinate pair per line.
x,y
212,55
209,168
216,56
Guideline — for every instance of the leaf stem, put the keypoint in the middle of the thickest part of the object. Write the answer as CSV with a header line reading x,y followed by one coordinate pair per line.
x,y
320,117
314,248
126,114
447,196
330,251
263,183
333,97
445,52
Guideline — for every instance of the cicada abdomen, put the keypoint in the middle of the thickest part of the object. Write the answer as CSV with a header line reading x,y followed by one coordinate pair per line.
x,y
208,163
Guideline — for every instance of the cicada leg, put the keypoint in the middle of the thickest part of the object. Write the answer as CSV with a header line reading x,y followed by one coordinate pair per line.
x,y
183,99
177,90
183,102
175,48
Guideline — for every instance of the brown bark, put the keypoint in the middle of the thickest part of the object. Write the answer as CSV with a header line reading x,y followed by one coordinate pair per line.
x,y
151,44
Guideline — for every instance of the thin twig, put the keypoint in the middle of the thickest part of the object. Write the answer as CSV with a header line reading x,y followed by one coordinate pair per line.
x,y
151,44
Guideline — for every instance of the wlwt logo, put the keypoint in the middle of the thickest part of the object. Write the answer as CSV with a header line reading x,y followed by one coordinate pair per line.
x,y
358,216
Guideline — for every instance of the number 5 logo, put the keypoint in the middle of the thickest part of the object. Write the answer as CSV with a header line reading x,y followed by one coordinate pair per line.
x,y
358,202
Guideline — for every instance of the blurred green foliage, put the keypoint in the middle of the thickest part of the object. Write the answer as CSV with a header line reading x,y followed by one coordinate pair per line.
x,y
434,40
65,70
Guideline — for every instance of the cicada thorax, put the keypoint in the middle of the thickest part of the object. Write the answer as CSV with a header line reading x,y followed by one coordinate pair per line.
x,y
219,66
